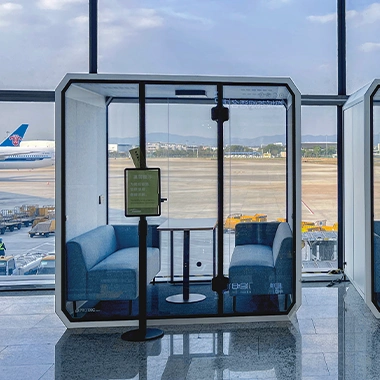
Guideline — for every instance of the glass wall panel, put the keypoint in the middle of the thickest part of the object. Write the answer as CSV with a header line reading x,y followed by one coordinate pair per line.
x,y
27,196
363,47
268,38
256,186
123,135
319,190
102,245
376,196
254,164
41,41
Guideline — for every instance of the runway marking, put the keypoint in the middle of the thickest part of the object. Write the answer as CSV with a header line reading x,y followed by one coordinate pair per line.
x,y
308,208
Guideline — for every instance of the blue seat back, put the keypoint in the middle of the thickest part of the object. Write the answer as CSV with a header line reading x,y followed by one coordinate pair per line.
x,y
128,236
255,233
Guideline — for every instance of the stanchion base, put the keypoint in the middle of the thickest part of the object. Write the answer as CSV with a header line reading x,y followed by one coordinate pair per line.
x,y
139,336
178,298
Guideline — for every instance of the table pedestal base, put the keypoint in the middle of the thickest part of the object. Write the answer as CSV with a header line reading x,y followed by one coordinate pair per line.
x,y
178,298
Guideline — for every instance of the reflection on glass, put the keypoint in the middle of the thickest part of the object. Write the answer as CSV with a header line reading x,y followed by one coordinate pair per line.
x,y
244,354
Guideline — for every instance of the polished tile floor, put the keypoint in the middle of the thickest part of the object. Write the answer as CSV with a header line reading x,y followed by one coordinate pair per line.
x,y
333,336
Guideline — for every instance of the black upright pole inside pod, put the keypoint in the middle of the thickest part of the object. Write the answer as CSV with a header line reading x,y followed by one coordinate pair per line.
x,y
220,114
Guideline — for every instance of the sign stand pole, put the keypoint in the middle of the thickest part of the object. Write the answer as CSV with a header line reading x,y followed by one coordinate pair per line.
x,y
142,333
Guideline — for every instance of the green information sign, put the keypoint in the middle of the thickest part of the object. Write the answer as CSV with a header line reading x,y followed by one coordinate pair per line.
x,y
142,192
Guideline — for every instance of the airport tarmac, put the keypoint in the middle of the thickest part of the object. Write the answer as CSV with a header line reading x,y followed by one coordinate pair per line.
x,y
251,186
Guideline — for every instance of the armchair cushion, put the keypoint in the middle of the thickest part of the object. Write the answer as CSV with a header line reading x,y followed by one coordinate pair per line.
x,y
262,260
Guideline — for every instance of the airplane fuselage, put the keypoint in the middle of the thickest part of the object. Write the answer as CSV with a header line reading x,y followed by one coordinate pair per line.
x,y
14,156
28,160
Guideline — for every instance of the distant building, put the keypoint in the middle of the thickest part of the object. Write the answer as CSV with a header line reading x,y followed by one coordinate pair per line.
x,y
324,144
112,148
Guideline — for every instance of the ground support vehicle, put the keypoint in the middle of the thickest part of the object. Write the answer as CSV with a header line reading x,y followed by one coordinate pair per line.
x,y
7,265
47,265
9,220
234,219
43,228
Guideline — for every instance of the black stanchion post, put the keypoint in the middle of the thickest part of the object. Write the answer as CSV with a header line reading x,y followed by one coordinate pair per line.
x,y
142,333
220,114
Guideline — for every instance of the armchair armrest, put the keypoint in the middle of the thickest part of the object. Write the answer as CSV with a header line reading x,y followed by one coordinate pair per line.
x,y
283,256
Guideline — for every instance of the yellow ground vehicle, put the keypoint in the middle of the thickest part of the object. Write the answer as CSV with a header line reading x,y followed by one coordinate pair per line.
x,y
233,219
319,225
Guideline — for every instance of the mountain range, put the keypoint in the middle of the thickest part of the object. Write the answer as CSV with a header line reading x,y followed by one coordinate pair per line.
x,y
206,141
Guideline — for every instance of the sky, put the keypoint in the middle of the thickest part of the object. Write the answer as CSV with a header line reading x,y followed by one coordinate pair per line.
x,y
41,40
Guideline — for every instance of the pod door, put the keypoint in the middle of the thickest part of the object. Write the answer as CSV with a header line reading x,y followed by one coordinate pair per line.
x,y
181,139
260,199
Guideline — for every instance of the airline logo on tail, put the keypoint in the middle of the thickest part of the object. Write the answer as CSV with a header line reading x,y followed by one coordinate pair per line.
x,y
16,137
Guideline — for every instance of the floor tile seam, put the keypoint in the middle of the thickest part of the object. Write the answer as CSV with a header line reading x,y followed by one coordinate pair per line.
x,y
312,321
335,352
37,344
5,308
327,366
31,298
50,367
28,365
325,335
23,315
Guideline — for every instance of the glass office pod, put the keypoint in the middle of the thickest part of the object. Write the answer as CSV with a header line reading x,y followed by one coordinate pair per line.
x,y
226,240
361,184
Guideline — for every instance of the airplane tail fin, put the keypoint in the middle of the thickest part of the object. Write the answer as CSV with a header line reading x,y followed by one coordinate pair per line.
x,y
16,137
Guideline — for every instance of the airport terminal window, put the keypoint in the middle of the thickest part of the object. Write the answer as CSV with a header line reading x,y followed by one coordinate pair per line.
x,y
319,189
41,41
362,48
147,27
270,38
27,213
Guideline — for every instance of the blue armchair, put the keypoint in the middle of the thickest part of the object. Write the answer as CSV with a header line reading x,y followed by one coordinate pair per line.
x,y
103,264
262,260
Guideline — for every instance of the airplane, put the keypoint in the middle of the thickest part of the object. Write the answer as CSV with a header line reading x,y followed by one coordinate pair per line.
x,y
13,156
